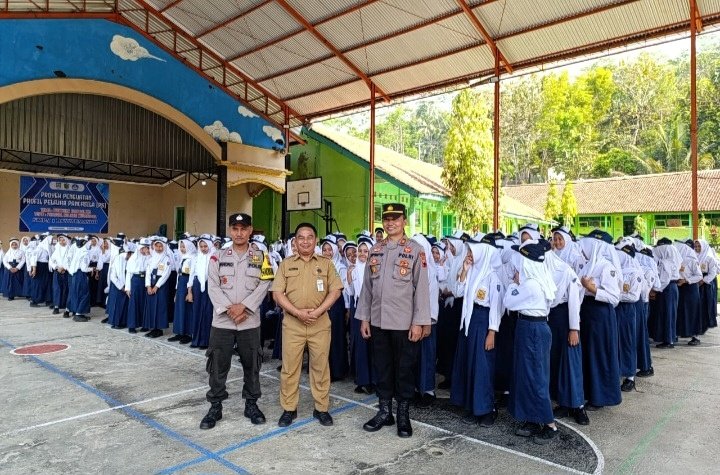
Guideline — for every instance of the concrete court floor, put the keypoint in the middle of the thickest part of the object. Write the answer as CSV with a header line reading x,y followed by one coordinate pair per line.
x,y
119,403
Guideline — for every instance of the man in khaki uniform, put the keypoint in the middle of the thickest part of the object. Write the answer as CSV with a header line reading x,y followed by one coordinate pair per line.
x,y
237,284
394,307
306,285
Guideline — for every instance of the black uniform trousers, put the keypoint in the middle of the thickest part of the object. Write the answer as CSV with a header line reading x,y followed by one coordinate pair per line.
x,y
395,358
223,344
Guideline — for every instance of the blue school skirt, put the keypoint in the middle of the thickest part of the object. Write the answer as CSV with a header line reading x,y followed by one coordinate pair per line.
x,y
202,316
60,289
666,303
627,338
136,304
339,365
566,377
599,336
473,378
156,309
117,307
427,362
182,320
360,356
80,291
530,391
644,359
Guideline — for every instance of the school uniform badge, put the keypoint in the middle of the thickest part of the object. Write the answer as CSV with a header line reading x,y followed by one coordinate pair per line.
x,y
626,288
481,294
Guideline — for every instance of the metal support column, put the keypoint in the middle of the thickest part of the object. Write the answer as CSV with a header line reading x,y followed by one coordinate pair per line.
x,y
284,215
221,170
693,117
496,146
371,201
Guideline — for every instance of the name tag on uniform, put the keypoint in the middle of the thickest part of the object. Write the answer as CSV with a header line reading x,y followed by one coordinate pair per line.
x,y
186,270
161,267
320,285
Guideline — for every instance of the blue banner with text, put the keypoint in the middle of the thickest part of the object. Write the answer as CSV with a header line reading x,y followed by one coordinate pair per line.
x,y
71,206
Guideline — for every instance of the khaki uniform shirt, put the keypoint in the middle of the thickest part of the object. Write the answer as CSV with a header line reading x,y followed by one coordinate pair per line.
x,y
235,278
395,293
306,284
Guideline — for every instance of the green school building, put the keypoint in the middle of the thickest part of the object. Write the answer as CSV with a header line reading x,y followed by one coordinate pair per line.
x,y
663,201
343,162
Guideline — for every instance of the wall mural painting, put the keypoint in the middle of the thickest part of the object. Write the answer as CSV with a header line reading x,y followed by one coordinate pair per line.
x,y
106,51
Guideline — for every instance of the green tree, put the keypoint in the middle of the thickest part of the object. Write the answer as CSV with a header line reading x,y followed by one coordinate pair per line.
x,y
552,204
468,168
640,225
568,205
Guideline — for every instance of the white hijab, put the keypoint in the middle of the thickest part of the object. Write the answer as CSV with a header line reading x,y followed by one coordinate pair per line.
x,y
537,271
432,276
486,260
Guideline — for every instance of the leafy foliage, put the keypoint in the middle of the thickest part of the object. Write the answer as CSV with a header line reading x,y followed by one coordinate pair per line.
x,y
468,170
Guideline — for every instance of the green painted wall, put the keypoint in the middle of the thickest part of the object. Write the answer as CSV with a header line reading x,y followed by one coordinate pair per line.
x,y
672,225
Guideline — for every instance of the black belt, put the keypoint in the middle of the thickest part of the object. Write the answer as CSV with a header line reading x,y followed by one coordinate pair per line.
x,y
477,305
140,274
188,274
531,319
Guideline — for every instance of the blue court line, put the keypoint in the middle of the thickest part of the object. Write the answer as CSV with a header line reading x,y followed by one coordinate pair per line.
x,y
207,453
263,437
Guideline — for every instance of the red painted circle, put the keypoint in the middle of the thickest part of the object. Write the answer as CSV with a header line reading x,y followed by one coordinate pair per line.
x,y
40,349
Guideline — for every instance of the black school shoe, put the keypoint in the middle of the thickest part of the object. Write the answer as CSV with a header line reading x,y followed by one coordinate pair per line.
x,y
528,429
561,411
104,320
580,416
56,311
175,338
694,342
627,385
665,345
487,420
645,373
80,318
324,417
445,384
425,400
185,339
66,314
287,418
545,435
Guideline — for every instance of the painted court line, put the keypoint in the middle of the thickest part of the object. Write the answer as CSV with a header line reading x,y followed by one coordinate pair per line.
x,y
109,409
134,413
263,437
601,459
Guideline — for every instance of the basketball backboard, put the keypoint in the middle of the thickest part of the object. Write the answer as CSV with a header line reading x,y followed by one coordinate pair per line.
x,y
304,195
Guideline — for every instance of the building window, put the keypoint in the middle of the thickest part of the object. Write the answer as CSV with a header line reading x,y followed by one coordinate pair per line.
x,y
592,222
672,220
448,224
378,213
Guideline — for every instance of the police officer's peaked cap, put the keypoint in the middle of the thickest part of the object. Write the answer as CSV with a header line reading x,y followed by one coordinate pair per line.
x,y
393,209
601,235
241,219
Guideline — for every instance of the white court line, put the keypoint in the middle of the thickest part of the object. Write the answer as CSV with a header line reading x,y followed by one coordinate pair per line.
x,y
598,453
600,458
108,409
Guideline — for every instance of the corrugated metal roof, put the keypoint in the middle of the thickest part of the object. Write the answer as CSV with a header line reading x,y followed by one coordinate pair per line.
x,y
99,129
398,44
665,192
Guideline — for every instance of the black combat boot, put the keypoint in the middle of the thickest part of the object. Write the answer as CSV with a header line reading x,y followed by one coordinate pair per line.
x,y
253,412
404,429
384,417
213,415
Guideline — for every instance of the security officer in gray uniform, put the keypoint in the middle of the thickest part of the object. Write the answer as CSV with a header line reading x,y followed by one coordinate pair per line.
x,y
238,281
394,307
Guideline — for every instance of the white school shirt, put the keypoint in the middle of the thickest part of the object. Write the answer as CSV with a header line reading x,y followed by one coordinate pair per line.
x,y
608,282
163,263
690,270
58,259
487,293
709,268
633,283
116,273
527,298
16,255
570,290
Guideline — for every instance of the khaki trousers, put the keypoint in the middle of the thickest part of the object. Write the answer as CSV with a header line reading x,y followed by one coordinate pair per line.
x,y
295,336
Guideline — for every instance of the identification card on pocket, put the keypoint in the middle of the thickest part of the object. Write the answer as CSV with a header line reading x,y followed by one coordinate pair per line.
x,y
320,285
